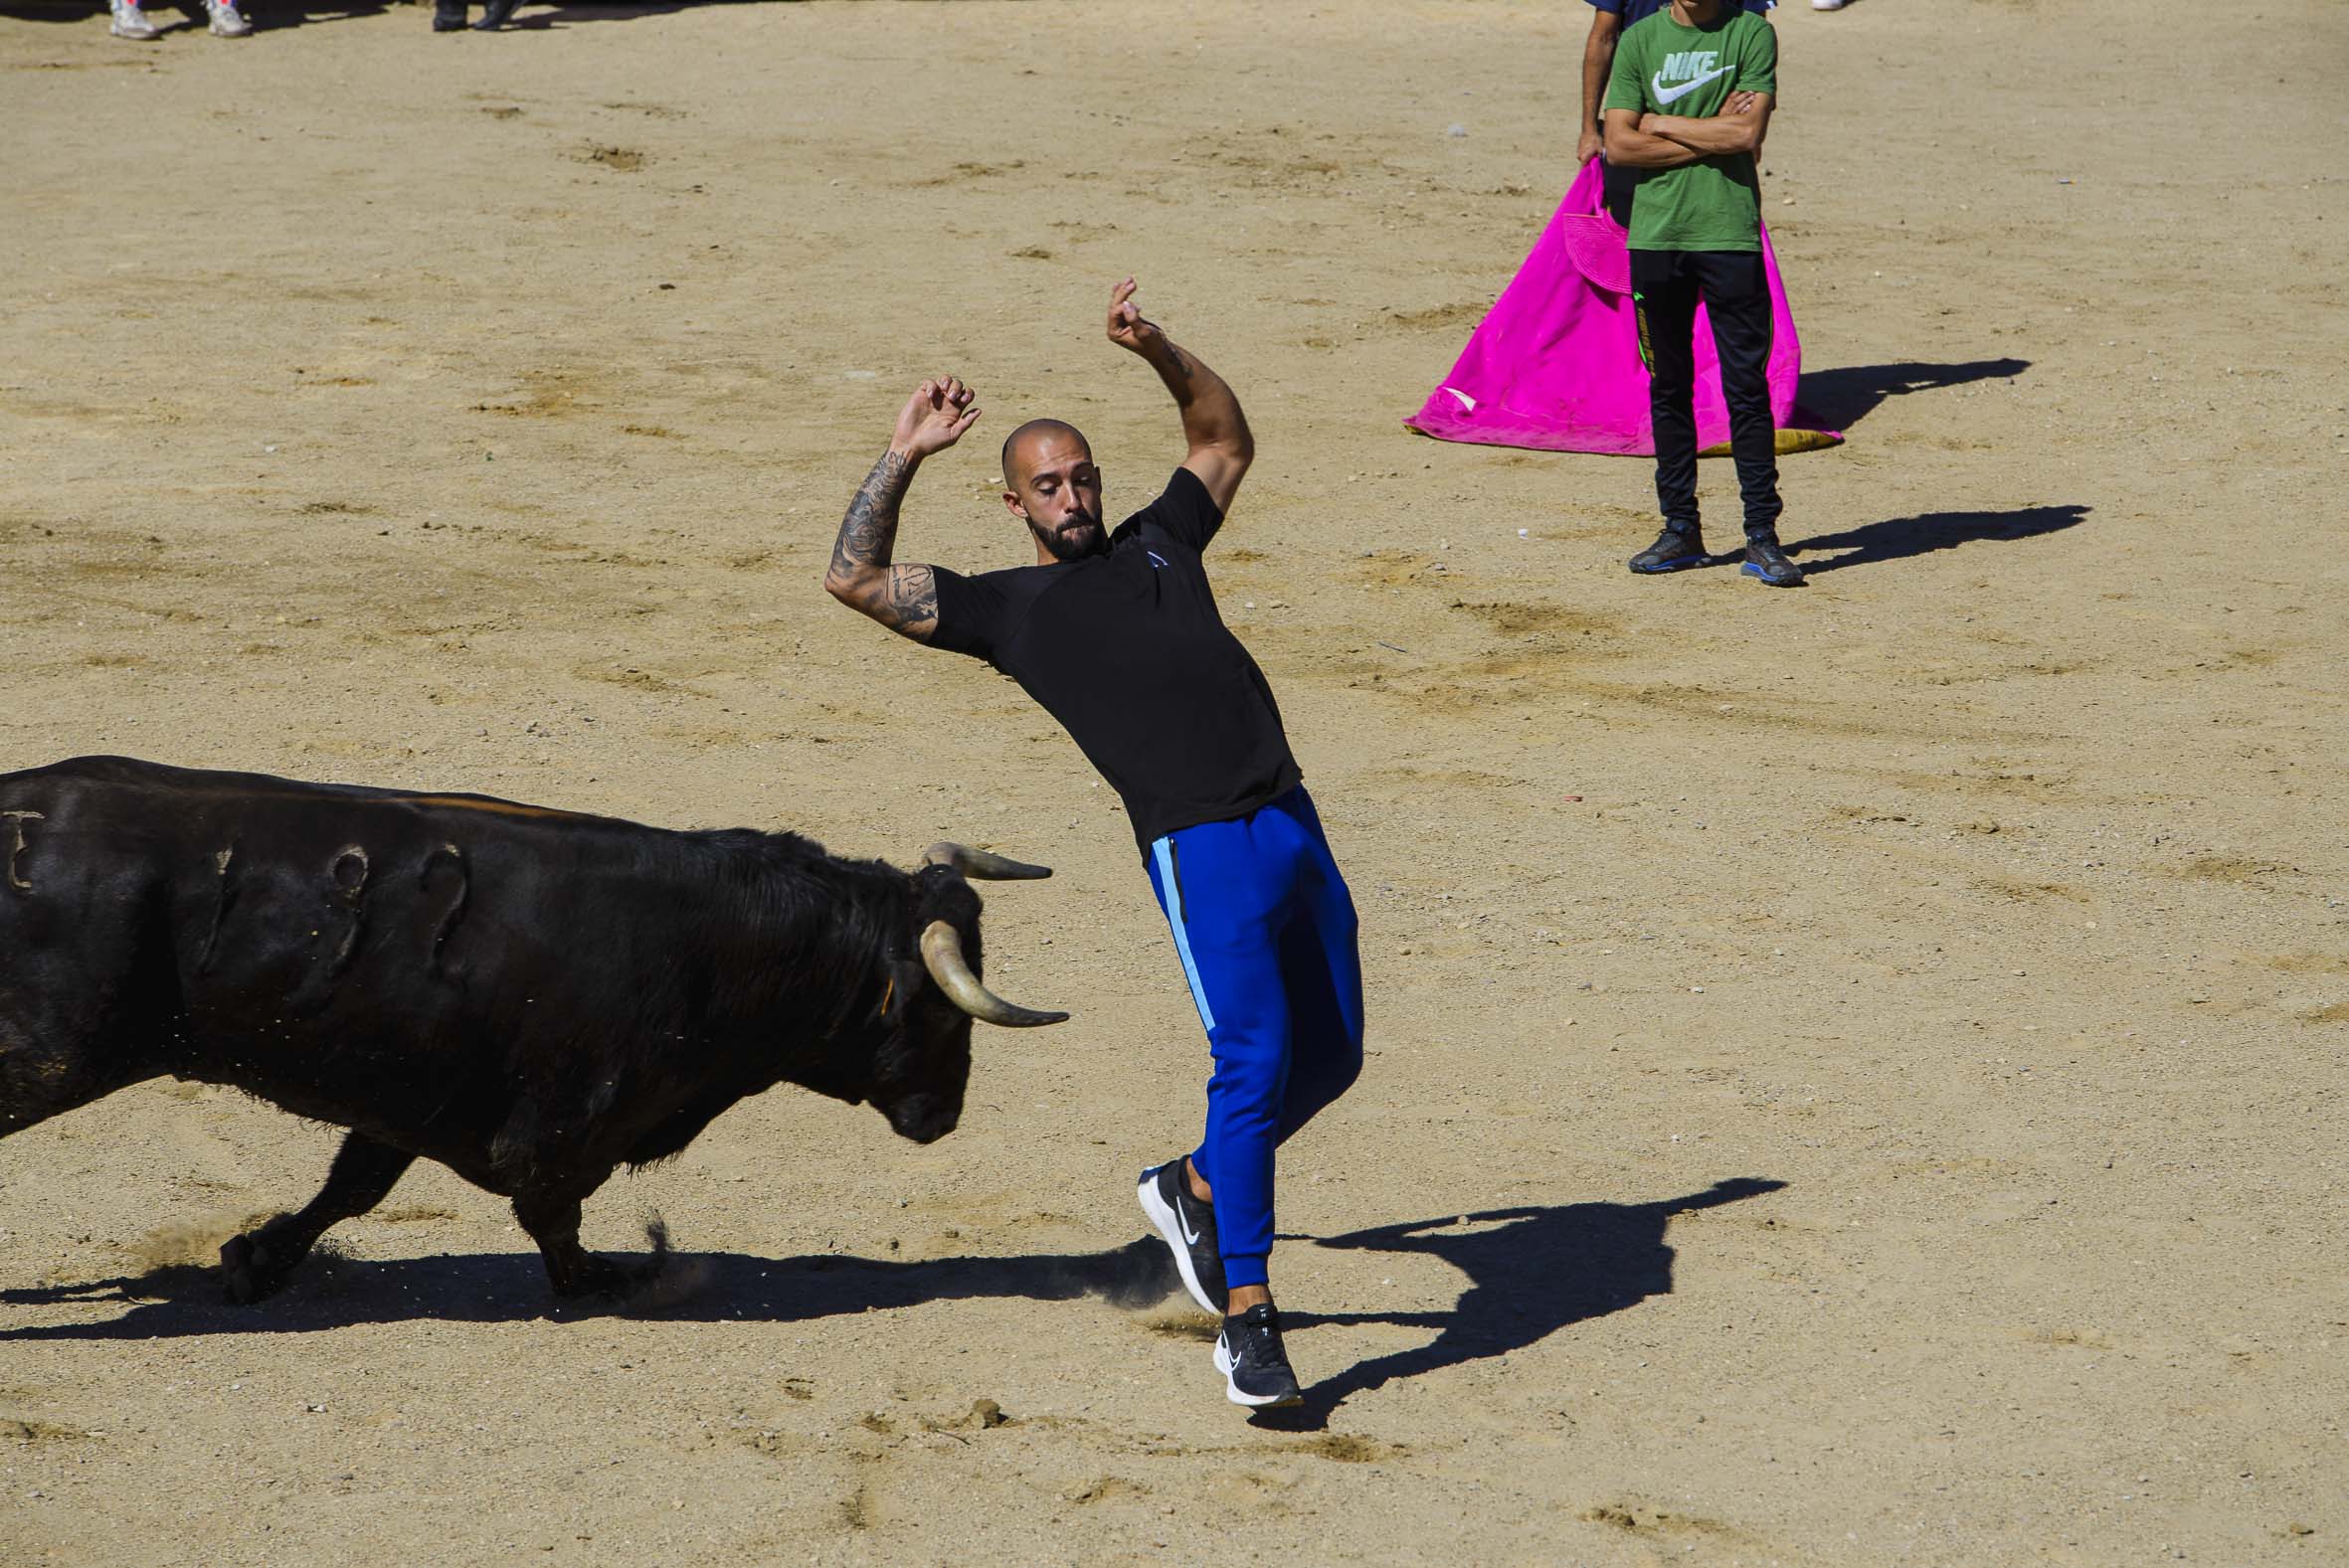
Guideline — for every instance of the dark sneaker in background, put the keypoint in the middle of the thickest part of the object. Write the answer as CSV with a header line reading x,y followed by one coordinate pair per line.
x,y
1190,1229
1254,1365
1765,560
1672,552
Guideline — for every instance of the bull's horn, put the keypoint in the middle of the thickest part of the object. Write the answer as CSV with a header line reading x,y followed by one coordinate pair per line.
x,y
981,866
942,955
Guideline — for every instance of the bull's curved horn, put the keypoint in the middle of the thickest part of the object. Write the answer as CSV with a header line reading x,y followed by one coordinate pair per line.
x,y
979,866
942,955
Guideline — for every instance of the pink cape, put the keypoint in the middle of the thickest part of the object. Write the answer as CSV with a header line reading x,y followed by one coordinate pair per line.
x,y
1555,363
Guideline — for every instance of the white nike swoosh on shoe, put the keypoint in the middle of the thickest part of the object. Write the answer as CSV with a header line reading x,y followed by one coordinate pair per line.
x,y
1188,1234
1664,94
1162,1215
1233,1392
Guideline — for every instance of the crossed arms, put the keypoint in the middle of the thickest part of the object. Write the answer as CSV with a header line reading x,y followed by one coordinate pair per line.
x,y
1637,140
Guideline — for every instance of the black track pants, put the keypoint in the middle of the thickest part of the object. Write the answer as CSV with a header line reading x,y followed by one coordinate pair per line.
x,y
1666,285
1617,185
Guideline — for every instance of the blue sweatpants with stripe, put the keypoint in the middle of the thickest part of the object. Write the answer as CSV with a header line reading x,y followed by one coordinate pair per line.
x,y
1266,930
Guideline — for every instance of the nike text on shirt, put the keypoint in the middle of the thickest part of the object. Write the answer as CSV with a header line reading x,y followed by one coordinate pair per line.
x,y
1669,68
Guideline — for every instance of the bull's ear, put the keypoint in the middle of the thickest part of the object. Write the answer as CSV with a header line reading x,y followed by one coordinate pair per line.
x,y
981,866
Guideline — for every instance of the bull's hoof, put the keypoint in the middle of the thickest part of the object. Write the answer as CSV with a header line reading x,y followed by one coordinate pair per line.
x,y
593,1275
495,15
448,16
247,1273
573,1271
631,1284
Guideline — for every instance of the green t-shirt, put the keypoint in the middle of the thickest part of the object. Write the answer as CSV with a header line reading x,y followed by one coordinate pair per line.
x,y
1714,203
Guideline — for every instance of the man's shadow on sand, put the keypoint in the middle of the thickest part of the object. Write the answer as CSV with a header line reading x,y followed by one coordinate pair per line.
x,y
1837,400
1903,538
1531,1271
1840,399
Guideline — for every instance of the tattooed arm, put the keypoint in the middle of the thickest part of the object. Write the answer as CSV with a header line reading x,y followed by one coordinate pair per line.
x,y
902,597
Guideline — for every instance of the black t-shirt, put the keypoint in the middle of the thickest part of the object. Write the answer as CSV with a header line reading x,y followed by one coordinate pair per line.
x,y
1128,653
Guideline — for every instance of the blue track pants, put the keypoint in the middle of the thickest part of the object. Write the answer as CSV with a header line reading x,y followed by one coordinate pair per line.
x,y
1266,930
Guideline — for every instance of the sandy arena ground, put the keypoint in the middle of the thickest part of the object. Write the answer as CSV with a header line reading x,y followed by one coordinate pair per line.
x,y
1857,1074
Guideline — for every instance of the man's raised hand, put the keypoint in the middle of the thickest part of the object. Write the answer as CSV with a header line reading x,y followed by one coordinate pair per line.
x,y
934,417
863,573
1128,327
1213,428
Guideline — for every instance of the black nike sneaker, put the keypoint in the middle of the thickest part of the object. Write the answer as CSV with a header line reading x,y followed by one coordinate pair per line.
x,y
1189,1228
1765,560
1254,1366
1672,552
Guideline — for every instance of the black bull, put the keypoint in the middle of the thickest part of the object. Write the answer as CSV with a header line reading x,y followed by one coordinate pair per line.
x,y
531,997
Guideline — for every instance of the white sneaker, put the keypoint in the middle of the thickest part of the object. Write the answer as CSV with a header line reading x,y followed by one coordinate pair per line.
x,y
227,20
131,22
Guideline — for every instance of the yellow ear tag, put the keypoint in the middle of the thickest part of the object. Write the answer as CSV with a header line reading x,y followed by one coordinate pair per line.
x,y
887,993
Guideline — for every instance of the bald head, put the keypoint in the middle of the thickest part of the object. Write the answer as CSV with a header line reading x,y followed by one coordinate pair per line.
x,y
1022,443
1051,485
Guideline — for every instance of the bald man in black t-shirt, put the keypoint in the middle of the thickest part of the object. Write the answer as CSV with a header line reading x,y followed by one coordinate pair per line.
x,y
1117,636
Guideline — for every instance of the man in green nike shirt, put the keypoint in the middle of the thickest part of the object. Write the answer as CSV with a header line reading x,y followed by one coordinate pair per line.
x,y
1688,103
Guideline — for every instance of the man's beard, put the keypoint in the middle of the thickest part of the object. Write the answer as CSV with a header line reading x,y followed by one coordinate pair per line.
x,y
1072,541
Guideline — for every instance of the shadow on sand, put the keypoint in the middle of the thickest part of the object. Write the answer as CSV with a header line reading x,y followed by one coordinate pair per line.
x,y
332,1292
1837,400
1901,538
1531,1271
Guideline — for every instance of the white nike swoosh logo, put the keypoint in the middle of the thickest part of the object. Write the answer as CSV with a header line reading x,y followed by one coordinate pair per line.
x,y
1189,1235
1664,94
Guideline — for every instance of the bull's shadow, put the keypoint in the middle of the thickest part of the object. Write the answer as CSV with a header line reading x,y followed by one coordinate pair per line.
x,y
330,1292
1531,1271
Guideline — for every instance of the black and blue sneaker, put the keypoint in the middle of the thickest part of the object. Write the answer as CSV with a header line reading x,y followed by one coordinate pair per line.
x,y
1188,1226
1254,1365
1765,560
1673,551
